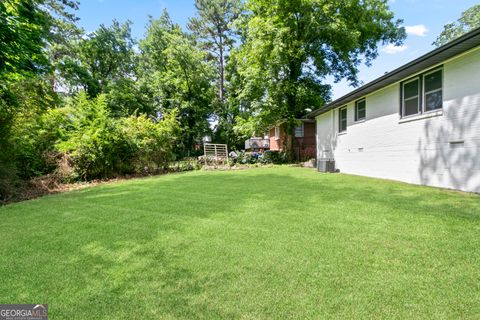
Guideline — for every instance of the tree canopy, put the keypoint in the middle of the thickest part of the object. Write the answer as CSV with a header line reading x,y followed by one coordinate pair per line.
x,y
178,75
469,20
99,59
291,46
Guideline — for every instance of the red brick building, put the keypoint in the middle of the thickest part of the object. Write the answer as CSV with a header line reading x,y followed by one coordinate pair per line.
x,y
305,141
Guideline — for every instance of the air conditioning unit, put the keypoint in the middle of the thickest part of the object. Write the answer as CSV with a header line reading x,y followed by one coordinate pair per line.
x,y
326,165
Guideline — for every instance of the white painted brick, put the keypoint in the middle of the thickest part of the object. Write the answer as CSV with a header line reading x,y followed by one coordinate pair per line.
x,y
418,151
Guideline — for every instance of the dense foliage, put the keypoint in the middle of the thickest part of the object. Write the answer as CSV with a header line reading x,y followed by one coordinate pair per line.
x,y
27,29
95,105
268,157
97,61
100,146
177,75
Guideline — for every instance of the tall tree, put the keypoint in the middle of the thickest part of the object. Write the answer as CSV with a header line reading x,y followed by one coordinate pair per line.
x,y
27,28
99,59
179,76
469,20
213,25
292,45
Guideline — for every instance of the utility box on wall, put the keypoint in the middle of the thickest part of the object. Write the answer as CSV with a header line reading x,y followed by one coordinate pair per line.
x,y
326,165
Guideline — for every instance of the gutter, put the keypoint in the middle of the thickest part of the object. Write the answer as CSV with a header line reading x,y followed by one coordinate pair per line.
x,y
463,43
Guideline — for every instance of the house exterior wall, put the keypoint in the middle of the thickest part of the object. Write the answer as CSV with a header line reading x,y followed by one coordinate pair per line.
x,y
439,149
309,134
276,144
305,147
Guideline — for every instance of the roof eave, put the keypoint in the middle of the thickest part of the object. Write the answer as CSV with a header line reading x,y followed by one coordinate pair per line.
x,y
471,39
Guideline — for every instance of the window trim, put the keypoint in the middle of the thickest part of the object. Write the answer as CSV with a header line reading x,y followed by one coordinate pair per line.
x,y
277,133
356,110
340,119
421,93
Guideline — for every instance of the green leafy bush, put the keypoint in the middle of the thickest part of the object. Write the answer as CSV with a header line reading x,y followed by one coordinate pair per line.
x,y
93,142
149,143
100,146
35,135
275,157
245,158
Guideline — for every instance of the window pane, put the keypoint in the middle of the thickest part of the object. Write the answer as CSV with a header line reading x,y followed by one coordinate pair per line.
x,y
410,106
361,113
343,119
361,104
299,131
433,101
433,81
410,89
360,110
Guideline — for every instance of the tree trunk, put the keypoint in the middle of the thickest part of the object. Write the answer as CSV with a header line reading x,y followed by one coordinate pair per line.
x,y
222,71
291,95
289,141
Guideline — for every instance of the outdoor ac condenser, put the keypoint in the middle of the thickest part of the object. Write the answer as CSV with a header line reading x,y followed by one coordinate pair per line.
x,y
326,165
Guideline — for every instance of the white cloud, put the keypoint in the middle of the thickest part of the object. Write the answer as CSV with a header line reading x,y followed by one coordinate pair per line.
x,y
418,30
392,49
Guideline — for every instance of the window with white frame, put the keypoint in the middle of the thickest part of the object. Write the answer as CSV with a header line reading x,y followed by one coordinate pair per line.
x,y
299,131
342,119
423,93
277,133
360,109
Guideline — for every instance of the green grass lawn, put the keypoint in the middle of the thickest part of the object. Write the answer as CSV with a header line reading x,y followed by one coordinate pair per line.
x,y
263,243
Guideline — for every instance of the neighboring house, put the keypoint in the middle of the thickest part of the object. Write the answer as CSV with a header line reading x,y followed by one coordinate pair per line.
x,y
257,144
419,123
304,139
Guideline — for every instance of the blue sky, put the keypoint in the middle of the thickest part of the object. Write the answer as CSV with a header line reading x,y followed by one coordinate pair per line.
x,y
424,20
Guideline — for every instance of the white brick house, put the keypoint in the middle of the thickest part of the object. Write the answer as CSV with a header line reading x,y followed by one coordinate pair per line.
x,y
419,123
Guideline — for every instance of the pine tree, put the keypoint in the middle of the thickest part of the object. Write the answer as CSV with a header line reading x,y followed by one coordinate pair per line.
x,y
213,25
